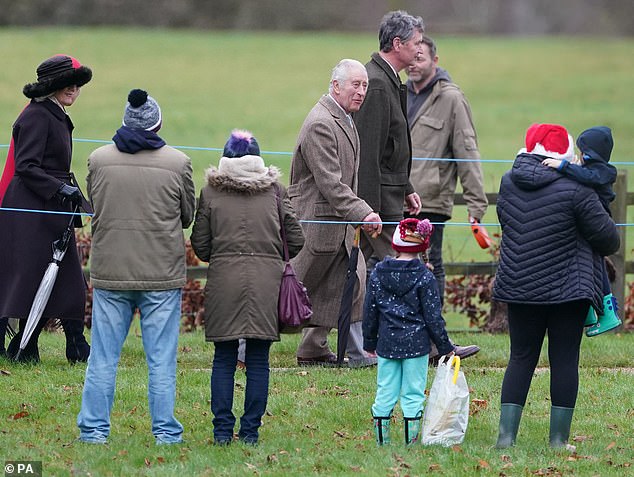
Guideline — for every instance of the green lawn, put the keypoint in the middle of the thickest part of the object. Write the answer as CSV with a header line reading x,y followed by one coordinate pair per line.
x,y
318,420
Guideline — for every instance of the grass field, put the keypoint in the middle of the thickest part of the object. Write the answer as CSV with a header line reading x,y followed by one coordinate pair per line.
x,y
318,423
318,420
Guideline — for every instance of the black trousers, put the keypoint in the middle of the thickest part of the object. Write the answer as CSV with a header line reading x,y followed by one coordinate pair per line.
x,y
528,325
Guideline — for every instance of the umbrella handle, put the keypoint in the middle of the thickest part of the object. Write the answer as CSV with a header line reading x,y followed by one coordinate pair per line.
x,y
62,243
357,235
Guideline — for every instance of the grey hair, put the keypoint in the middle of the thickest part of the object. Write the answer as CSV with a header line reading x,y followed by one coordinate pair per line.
x,y
341,71
398,24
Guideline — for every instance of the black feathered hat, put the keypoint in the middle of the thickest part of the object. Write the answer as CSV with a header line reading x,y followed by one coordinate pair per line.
x,y
56,73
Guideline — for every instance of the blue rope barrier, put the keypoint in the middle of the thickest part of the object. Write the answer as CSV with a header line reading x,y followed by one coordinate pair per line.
x,y
51,212
286,153
338,222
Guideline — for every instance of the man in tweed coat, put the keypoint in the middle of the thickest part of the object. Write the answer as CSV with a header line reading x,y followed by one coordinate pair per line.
x,y
323,187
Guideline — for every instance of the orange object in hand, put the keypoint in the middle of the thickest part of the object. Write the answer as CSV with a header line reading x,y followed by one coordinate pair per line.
x,y
480,234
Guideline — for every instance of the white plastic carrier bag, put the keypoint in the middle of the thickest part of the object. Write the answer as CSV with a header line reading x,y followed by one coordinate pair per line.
x,y
447,410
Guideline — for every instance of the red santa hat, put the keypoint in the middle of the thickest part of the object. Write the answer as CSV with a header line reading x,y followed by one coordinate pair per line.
x,y
550,140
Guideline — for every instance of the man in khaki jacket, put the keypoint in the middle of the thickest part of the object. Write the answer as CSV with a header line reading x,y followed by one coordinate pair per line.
x,y
441,127
143,196
323,187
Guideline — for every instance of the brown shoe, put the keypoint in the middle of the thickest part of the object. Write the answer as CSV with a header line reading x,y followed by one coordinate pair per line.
x,y
329,359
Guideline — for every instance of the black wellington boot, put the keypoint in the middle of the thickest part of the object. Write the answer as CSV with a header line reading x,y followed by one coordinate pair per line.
x,y
4,322
77,348
31,353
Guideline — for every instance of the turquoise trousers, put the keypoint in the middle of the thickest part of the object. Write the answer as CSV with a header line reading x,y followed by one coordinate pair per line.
x,y
404,378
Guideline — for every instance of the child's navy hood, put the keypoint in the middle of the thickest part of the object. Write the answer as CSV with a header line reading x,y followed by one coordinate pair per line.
x,y
596,143
399,276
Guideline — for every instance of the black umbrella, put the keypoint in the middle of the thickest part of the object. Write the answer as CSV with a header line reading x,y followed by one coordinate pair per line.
x,y
345,309
46,285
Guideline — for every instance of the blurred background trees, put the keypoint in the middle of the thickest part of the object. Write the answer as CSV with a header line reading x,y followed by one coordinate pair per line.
x,y
505,17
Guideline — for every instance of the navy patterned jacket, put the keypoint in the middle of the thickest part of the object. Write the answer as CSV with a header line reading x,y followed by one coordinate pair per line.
x,y
402,311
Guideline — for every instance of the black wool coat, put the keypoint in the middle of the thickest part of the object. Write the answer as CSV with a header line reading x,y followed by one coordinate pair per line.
x,y
43,150
554,234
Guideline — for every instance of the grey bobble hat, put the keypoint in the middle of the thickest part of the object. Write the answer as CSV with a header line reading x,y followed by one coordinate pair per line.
x,y
142,111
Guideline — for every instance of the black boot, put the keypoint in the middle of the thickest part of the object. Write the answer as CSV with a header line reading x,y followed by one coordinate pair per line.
x,y
4,322
77,348
30,353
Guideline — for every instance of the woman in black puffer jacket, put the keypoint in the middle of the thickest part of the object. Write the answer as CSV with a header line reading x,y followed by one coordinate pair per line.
x,y
554,234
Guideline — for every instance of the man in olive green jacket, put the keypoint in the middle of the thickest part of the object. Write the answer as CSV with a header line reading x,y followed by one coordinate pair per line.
x,y
441,127
143,196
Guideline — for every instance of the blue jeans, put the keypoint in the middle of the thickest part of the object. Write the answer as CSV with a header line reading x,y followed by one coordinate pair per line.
x,y
112,314
256,393
404,378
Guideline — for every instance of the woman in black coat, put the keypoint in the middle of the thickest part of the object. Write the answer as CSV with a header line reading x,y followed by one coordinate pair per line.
x,y
554,234
42,181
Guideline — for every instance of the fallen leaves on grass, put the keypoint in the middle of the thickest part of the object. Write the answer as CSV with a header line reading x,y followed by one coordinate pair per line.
x,y
549,471
23,413
20,415
252,468
478,405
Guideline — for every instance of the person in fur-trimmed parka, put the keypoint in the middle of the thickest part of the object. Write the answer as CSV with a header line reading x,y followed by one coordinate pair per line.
x,y
237,230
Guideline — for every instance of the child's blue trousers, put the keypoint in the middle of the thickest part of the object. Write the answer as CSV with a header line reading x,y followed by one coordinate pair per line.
x,y
404,378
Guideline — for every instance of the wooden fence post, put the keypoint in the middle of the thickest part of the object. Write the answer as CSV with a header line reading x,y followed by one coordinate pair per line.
x,y
619,214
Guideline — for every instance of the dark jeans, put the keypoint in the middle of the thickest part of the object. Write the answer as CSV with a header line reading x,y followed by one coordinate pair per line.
x,y
528,325
222,386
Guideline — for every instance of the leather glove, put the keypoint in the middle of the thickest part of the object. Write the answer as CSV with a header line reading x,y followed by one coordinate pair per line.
x,y
69,193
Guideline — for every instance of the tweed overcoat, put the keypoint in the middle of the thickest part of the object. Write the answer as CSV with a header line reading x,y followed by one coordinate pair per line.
x,y
43,151
386,146
323,187
237,230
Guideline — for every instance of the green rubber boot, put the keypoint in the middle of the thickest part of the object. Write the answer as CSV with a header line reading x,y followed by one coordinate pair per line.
x,y
560,420
591,318
412,429
382,430
510,416
608,320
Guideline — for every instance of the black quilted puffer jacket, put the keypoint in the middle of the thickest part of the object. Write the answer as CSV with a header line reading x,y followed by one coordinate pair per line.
x,y
554,234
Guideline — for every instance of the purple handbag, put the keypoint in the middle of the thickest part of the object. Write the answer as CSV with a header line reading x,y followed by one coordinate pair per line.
x,y
293,307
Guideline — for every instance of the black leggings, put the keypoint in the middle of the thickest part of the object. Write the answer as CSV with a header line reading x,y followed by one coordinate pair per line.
x,y
528,325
